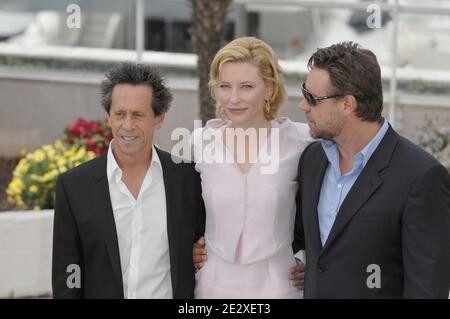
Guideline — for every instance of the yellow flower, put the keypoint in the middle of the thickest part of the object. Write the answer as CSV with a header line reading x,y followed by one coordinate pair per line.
x,y
47,147
16,186
13,189
33,189
22,162
19,201
47,177
37,208
59,145
23,169
51,154
54,173
9,191
61,161
36,173
23,152
19,183
70,152
38,156
37,178
80,154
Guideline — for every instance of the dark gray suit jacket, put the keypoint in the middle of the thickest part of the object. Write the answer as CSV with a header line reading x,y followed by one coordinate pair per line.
x,y
85,232
396,216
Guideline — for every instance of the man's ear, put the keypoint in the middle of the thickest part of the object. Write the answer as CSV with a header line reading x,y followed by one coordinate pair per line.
x,y
350,104
159,120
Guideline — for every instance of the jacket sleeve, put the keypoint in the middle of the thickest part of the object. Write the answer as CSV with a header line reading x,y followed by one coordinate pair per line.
x,y
299,236
426,235
67,262
201,214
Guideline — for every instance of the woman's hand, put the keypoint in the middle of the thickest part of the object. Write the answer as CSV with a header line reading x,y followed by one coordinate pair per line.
x,y
297,275
199,254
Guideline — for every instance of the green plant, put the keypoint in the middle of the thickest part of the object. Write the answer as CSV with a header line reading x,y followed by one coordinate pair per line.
x,y
34,178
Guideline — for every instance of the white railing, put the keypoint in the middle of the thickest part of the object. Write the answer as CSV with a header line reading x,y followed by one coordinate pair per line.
x,y
342,4
180,61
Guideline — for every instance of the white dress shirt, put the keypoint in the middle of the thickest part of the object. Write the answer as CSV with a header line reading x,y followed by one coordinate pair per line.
x,y
141,231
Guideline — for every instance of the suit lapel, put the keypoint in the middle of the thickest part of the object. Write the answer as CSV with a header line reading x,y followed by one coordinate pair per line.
x,y
365,185
319,174
103,210
169,180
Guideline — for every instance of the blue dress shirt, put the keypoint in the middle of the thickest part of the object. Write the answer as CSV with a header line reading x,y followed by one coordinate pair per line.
x,y
335,186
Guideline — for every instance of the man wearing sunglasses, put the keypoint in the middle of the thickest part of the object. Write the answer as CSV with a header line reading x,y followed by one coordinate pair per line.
x,y
373,208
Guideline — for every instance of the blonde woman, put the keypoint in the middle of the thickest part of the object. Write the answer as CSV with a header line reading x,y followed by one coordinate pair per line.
x,y
250,204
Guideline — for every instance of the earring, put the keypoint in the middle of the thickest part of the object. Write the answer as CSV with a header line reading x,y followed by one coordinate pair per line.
x,y
267,106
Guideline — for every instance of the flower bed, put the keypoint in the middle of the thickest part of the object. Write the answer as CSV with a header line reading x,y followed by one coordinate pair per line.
x,y
29,182
34,178
7,165
32,184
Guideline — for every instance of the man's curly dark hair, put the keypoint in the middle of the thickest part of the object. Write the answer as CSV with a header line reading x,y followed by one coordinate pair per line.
x,y
137,74
353,71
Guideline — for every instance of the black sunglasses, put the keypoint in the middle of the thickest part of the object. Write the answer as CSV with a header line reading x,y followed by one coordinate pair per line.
x,y
312,99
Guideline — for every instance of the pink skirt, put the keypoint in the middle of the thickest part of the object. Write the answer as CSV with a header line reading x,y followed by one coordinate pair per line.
x,y
266,279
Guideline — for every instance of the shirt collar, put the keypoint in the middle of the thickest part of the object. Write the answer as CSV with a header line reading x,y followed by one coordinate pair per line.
x,y
113,169
332,152
370,148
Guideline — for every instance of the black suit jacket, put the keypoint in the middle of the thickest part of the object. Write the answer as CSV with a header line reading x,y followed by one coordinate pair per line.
x,y
85,233
396,216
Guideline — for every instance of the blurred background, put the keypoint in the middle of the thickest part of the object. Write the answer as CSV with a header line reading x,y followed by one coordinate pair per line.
x,y
54,53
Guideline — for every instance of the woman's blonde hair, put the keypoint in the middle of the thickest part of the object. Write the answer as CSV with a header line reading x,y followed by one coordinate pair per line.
x,y
258,53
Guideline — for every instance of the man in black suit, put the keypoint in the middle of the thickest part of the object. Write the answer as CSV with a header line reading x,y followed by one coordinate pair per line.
x,y
125,222
373,208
